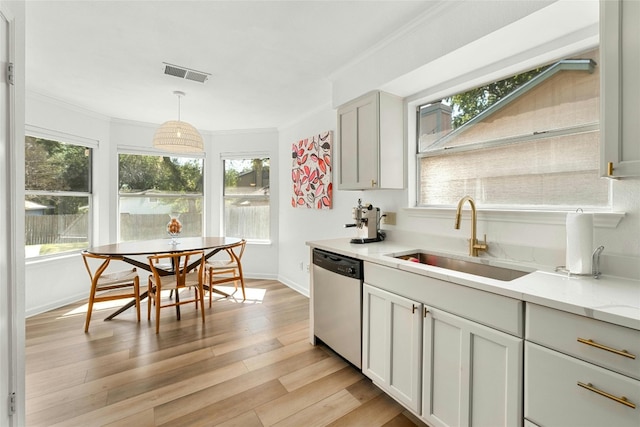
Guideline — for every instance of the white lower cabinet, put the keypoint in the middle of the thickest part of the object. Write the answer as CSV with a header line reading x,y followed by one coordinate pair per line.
x,y
580,371
472,374
391,344
564,391
453,371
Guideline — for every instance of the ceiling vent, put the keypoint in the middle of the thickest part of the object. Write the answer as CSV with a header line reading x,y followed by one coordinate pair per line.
x,y
185,73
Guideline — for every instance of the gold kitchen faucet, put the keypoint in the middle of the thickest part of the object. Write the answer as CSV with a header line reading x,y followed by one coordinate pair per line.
x,y
474,245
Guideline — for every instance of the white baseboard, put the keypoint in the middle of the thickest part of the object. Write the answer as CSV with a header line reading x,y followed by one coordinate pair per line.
x,y
54,304
293,285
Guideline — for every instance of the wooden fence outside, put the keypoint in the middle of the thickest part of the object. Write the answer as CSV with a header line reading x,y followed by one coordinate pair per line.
x,y
247,222
144,227
54,229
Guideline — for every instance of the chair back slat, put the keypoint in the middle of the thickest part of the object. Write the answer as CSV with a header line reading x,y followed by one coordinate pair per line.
x,y
220,272
236,251
95,273
179,262
180,276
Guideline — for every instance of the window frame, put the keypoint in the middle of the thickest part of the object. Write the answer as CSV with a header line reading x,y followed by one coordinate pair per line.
x,y
71,139
158,153
475,80
246,156
478,75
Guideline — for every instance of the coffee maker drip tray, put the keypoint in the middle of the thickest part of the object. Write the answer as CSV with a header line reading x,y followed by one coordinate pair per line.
x,y
367,240
379,238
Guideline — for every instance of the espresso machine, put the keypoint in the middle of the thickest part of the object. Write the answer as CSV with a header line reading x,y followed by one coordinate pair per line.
x,y
366,220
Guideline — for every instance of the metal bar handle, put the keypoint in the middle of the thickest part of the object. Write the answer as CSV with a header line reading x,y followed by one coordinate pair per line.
x,y
592,343
623,400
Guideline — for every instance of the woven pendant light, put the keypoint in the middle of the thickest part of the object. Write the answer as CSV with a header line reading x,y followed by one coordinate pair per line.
x,y
178,136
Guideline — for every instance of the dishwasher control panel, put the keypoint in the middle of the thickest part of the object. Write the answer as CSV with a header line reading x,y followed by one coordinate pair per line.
x,y
339,264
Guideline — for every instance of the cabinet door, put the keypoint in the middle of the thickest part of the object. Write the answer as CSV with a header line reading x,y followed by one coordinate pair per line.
x,y
471,375
620,89
375,335
392,336
358,132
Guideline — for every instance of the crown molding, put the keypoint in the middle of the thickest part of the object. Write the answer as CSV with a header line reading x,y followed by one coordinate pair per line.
x,y
49,99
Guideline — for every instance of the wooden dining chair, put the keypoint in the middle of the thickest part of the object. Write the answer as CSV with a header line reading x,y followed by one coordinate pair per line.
x,y
177,278
104,285
221,271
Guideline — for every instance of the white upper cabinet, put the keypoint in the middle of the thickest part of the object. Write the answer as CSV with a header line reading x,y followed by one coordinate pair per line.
x,y
371,143
620,90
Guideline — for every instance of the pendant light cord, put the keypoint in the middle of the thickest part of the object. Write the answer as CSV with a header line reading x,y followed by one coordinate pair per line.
x,y
178,107
179,94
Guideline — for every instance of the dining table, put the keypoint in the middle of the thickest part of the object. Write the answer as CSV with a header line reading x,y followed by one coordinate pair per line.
x,y
131,251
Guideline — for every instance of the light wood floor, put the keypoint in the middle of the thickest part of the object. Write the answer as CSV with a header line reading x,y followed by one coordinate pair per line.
x,y
249,365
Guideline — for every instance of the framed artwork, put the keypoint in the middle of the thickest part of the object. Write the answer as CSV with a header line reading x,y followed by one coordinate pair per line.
x,y
311,172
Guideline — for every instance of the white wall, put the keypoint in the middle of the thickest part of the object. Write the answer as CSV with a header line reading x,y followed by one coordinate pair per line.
x,y
491,35
298,225
497,40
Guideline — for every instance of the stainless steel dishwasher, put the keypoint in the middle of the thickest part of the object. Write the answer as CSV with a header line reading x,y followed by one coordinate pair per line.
x,y
337,303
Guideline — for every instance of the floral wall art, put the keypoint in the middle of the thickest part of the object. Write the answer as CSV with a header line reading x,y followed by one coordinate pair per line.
x,y
311,172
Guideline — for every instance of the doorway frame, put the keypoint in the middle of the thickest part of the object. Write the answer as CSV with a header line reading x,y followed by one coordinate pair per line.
x,y
12,277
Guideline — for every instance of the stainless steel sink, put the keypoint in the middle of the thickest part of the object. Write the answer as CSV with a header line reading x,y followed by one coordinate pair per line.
x,y
470,267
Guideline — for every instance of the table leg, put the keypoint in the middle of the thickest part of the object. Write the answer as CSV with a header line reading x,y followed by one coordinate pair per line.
x,y
177,304
127,306
217,291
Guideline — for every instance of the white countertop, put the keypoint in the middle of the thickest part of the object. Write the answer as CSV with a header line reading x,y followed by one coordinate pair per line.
x,y
610,299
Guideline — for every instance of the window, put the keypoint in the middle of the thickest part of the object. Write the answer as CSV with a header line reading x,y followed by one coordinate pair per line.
x,y
153,189
57,196
246,198
529,141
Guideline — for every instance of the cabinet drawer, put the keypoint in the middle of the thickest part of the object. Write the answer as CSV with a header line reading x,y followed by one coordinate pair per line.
x,y
554,398
605,344
496,311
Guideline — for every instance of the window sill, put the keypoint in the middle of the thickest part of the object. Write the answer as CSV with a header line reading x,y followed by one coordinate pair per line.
x,y
259,242
42,259
601,219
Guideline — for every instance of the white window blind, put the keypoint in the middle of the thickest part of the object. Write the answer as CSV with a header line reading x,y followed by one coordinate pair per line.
x,y
537,146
